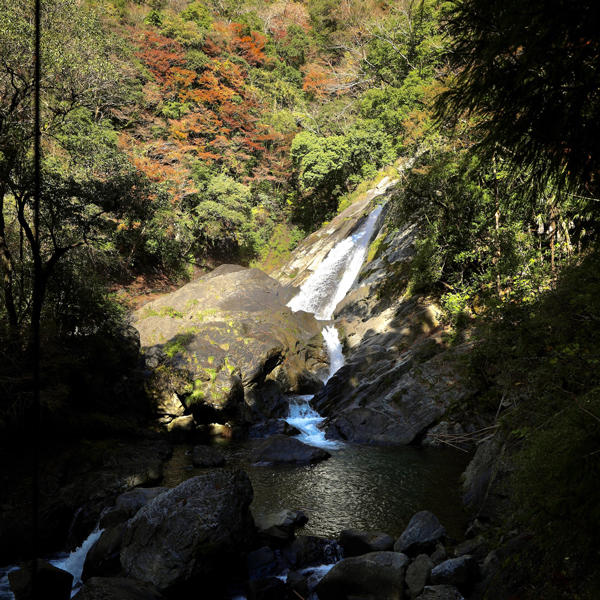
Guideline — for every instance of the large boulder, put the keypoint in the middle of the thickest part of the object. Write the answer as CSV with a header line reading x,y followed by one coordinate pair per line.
x,y
196,531
355,542
421,534
280,449
216,342
117,588
42,579
377,575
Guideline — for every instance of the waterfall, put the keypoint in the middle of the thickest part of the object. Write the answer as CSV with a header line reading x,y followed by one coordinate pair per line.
x,y
328,285
72,563
320,294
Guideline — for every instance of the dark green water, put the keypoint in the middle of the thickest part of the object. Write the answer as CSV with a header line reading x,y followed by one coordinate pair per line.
x,y
363,487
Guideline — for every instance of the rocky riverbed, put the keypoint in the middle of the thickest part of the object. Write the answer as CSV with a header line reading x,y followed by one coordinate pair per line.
x,y
225,356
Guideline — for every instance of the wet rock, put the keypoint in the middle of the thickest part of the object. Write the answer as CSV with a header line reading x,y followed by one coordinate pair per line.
x,y
51,583
377,574
206,456
103,558
281,449
417,574
196,531
460,572
272,427
355,542
383,397
421,534
117,588
310,550
127,504
440,592
262,563
280,527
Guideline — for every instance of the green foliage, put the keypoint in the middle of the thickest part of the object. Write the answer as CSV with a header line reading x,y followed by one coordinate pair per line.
x,y
326,166
529,72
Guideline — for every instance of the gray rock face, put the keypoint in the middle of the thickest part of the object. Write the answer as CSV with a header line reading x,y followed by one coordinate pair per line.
x,y
280,449
113,588
421,534
220,338
440,592
417,574
377,574
193,531
206,456
55,583
355,542
460,572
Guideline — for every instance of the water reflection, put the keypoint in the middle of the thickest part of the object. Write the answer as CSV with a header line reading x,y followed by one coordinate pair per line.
x,y
362,487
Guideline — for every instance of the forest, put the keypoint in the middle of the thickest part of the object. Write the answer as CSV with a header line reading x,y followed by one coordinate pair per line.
x,y
178,136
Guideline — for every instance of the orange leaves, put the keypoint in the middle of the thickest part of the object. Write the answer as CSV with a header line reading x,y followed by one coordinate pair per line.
x,y
161,55
316,80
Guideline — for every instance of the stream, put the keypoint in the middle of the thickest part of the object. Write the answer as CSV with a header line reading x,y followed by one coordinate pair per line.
x,y
360,487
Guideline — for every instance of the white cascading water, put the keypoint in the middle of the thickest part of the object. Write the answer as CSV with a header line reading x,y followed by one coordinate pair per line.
x,y
320,294
72,563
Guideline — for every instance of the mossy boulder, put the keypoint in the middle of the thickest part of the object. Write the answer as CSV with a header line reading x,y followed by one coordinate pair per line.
x,y
228,347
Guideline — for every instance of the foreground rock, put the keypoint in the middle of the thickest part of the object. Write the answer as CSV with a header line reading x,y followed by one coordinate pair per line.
x,y
55,583
377,574
117,588
196,531
356,542
421,534
226,346
280,449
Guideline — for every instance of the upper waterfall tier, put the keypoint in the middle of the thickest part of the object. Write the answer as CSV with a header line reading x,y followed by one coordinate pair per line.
x,y
328,285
